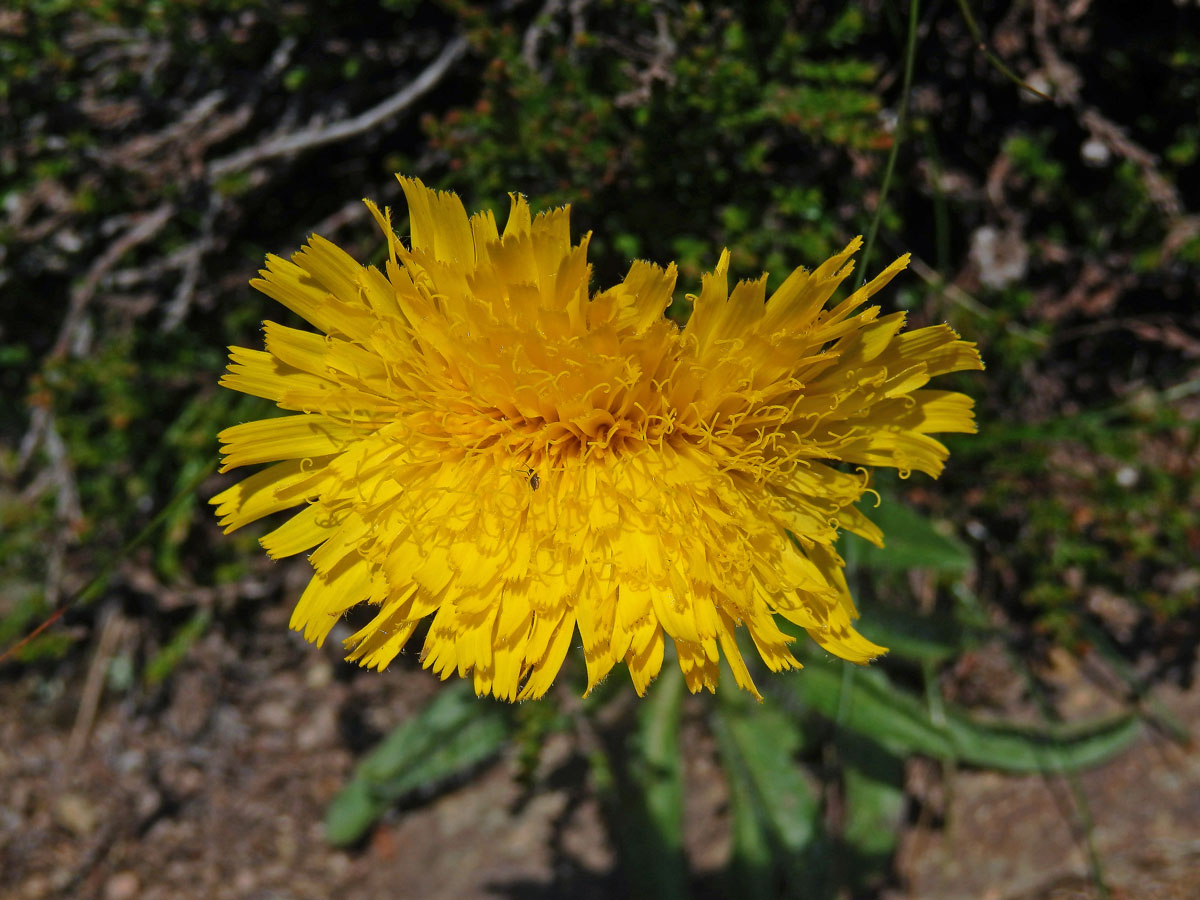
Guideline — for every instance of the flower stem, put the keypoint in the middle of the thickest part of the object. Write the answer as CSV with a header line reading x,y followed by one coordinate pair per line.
x,y
910,54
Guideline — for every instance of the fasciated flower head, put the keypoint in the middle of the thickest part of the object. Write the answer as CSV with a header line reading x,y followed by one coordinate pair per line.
x,y
480,440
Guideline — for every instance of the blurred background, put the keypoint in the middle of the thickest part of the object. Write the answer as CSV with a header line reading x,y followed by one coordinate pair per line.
x,y
1028,736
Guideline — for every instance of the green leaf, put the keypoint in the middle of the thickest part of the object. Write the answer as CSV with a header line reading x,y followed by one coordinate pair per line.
x,y
764,741
929,640
646,803
1149,707
868,704
751,862
874,813
911,541
163,663
351,813
455,732
659,770
179,520
873,784
772,799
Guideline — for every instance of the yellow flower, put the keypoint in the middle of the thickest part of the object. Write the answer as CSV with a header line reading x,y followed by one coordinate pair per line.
x,y
481,441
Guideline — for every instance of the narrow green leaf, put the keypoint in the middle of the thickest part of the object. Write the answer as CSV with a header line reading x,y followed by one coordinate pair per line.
x,y
163,663
929,640
764,742
751,866
648,806
911,541
351,813
1149,707
873,782
455,732
874,812
454,706
774,803
660,770
178,521
894,724
869,705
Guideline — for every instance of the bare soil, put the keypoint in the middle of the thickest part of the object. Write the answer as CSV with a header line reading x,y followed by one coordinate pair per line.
x,y
215,786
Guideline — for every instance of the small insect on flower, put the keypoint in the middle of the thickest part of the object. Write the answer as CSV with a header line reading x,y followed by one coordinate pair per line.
x,y
698,489
531,475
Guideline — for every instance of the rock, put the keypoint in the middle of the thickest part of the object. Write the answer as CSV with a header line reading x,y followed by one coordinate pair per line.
x,y
122,886
75,813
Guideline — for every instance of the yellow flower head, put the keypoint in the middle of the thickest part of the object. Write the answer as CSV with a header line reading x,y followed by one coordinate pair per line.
x,y
480,440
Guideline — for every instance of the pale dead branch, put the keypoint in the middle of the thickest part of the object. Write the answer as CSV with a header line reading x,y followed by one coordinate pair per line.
x,y
181,302
56,475
1068,83
536,31
340,218
1111,135
146,226
317,136
111,628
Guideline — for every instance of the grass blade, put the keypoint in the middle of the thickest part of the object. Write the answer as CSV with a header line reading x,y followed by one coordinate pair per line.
x,y
873,785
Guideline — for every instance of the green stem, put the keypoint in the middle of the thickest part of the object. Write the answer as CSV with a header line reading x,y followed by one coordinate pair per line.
x,y
910,55
1083,810
997,63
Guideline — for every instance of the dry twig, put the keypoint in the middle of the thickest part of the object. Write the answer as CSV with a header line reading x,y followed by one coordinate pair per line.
x,y
146,227
177,309
1069,84
536,30
89,702
317,136
57,475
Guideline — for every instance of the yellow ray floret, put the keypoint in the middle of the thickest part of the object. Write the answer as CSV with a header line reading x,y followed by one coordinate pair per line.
x,y
479,442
